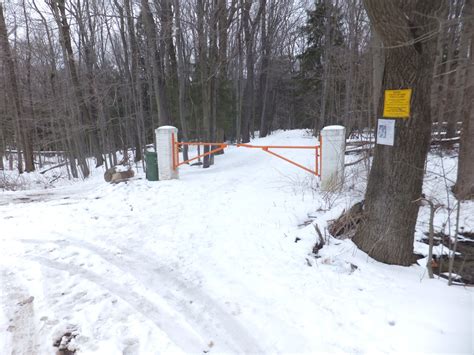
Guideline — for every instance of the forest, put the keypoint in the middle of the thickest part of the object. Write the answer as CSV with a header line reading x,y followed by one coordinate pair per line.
x,y
88,78
370,101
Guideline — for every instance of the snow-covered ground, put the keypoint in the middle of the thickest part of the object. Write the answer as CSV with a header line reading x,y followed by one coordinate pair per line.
x,y
218,261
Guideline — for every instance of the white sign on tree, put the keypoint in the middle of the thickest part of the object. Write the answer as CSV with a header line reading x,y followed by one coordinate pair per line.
x,y
385,132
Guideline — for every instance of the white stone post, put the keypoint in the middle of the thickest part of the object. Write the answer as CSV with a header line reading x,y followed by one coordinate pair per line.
x,y
165,151
333,147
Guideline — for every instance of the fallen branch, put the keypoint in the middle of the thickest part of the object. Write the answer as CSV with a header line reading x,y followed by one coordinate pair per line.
x,y
355,162
445,141
345,224
359,143
320,242
54,167
359,150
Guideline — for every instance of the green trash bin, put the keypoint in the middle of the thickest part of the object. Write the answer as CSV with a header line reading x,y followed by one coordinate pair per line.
x,y
151,166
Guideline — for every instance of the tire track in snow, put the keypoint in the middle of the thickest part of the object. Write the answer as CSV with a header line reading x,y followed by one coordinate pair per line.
x,y
49,195
21,314
180,334
211,320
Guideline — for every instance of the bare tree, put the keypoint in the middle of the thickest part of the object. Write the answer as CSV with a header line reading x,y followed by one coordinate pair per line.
x,y
156,59
182,75
408,32
464,188
249,27
22,128
59,12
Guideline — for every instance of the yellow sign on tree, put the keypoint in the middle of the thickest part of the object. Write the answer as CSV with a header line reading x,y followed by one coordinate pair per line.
x,y
397,103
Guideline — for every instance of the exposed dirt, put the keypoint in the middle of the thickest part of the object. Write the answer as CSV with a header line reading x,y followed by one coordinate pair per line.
x,y
63,342
463,262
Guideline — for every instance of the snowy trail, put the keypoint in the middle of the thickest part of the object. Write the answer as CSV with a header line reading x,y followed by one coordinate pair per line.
x,y
22,314
179,333
189,301
184,309
218,261
71,193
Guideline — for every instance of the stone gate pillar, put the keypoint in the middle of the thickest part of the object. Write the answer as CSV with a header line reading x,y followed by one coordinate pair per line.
x,y
165,151
333,147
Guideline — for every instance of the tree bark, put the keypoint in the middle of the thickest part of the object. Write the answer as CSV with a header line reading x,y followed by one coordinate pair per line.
x,y
59,12
452,67
408,31
464,188
264,73
64,137
30,121
249,27
22,127
205,80
166,16
133,77
378,63
323,119
2,148
157,65
91,102
181,74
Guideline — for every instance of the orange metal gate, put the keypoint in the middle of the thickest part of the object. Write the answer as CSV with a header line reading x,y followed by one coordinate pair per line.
x,y
177,145
265,148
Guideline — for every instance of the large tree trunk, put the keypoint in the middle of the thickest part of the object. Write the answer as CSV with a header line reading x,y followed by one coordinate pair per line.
x,y
249,27
408,32
2,148
132,69
129,70
465,180
264,74
214,72
65,137
378,64
21,127
205,80
157,64
30,122
87,43
448,66
182,78
322,120
59,11
249,88
238,79
166,18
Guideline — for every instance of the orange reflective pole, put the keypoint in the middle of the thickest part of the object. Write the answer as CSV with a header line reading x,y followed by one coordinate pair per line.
x,y
316,160
173,153
320,155
176,151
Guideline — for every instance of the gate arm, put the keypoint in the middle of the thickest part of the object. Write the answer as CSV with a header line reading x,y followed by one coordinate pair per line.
x,y
265,149
276,146
221,147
